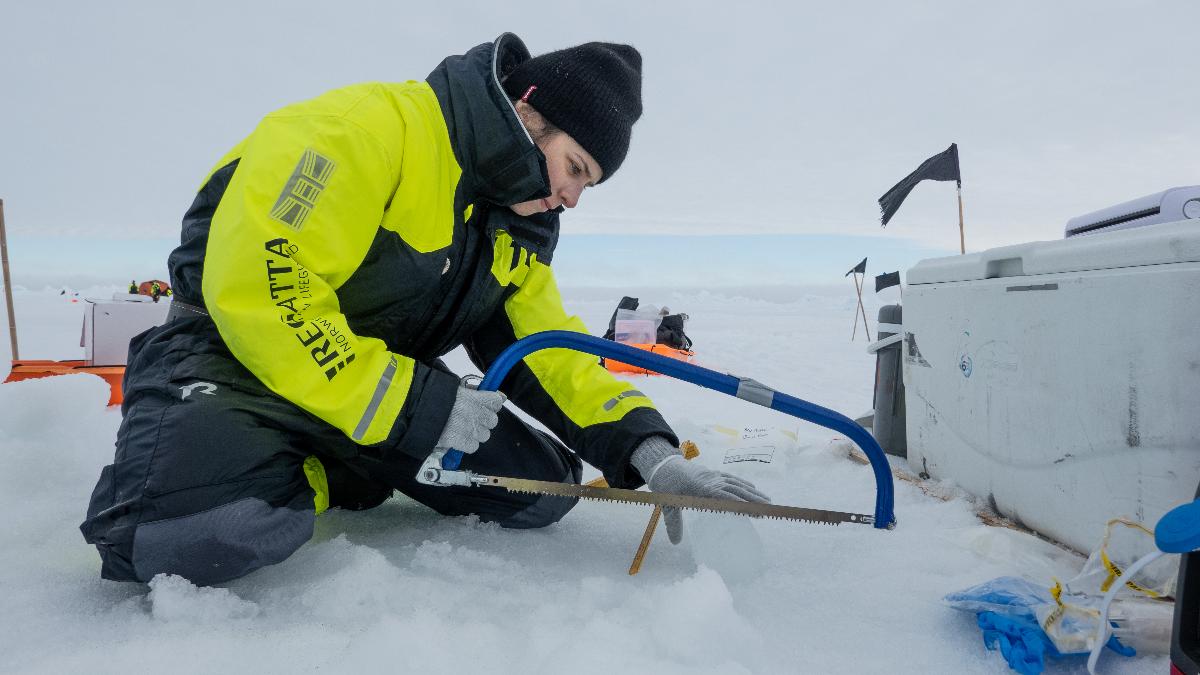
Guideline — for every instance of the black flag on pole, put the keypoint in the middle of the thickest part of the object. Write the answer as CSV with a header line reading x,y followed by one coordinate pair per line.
x,y
942,166
860,268
887,280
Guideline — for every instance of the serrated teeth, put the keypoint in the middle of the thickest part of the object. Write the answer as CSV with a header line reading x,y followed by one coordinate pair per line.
x,y
592,496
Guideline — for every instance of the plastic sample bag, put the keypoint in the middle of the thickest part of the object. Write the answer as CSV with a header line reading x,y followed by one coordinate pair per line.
x,y
636,327
746,447
1124,542
1028,622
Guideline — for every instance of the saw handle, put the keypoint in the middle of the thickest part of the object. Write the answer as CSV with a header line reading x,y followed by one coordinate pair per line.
x,y
741,387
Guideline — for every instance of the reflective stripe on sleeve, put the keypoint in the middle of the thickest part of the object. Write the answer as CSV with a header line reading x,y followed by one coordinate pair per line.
x,y
376,399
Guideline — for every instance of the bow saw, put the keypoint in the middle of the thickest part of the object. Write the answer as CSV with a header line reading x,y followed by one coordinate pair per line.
x,y
442,466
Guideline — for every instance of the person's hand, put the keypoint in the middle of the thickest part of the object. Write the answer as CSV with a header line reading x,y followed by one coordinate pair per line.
x,y
474,414
669,472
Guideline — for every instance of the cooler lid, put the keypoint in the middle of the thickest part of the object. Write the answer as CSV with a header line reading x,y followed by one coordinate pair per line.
x,y
1152,245
1168,206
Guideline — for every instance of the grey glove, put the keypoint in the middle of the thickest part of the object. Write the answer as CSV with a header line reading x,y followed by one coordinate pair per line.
x,y
474,415
665,470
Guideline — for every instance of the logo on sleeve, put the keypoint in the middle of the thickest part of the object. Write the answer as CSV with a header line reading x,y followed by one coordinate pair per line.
x,y
303,189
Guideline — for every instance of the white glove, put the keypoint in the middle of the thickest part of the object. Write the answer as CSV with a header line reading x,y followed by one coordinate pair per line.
x,y
474,415
666,470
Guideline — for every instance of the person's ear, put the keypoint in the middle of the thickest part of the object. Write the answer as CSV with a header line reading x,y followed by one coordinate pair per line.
x,y
524,111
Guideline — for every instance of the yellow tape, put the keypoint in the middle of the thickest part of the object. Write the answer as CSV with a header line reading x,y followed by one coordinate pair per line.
x,y
1114,572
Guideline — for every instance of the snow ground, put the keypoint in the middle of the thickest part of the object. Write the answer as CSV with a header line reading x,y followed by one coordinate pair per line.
x,y
401,589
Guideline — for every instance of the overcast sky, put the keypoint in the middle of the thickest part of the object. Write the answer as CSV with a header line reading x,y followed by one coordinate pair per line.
x,y
782,118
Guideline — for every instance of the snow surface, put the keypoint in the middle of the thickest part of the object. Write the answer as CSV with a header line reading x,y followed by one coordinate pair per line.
x,y
402,589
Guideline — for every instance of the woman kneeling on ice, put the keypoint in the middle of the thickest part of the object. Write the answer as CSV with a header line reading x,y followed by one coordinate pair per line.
x,y
326,264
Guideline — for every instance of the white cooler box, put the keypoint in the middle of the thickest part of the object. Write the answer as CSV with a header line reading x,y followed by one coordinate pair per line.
x,y
1060,380
109,325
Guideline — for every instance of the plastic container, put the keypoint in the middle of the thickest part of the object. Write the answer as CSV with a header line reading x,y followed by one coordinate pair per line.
x,y
1056,380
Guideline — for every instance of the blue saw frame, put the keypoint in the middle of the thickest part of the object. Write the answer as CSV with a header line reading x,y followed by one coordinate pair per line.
x,y
741,387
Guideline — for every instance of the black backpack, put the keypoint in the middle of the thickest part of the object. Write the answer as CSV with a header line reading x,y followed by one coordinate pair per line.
x,y
670,331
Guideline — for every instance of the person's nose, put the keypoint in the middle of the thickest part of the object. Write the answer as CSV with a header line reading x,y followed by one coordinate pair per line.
x,y
570,196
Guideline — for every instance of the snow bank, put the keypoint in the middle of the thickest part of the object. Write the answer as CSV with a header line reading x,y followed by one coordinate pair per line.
x,y
399,588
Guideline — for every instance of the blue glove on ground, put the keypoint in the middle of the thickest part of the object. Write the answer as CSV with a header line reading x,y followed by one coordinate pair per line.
x,y
1023,643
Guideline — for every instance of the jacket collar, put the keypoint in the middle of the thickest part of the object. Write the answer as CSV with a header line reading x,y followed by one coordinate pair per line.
x,y
499,161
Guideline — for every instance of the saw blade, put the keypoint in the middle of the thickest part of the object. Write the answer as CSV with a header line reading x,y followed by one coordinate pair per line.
x,y
666,499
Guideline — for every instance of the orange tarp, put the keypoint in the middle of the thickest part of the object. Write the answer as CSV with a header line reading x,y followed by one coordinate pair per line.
x,y
618,367
30,370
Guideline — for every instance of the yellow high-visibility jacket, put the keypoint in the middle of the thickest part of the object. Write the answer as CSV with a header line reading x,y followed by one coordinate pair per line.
x,y
353,238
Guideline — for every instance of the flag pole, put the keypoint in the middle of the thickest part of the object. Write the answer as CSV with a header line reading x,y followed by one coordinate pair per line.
x,y
12,319
866,326
854,333
962,241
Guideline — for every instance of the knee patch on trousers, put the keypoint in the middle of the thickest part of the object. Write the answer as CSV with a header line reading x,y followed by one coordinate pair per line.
x,y
221,543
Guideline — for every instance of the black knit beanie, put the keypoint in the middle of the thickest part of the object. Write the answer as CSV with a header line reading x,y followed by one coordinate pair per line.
x,y
593,92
